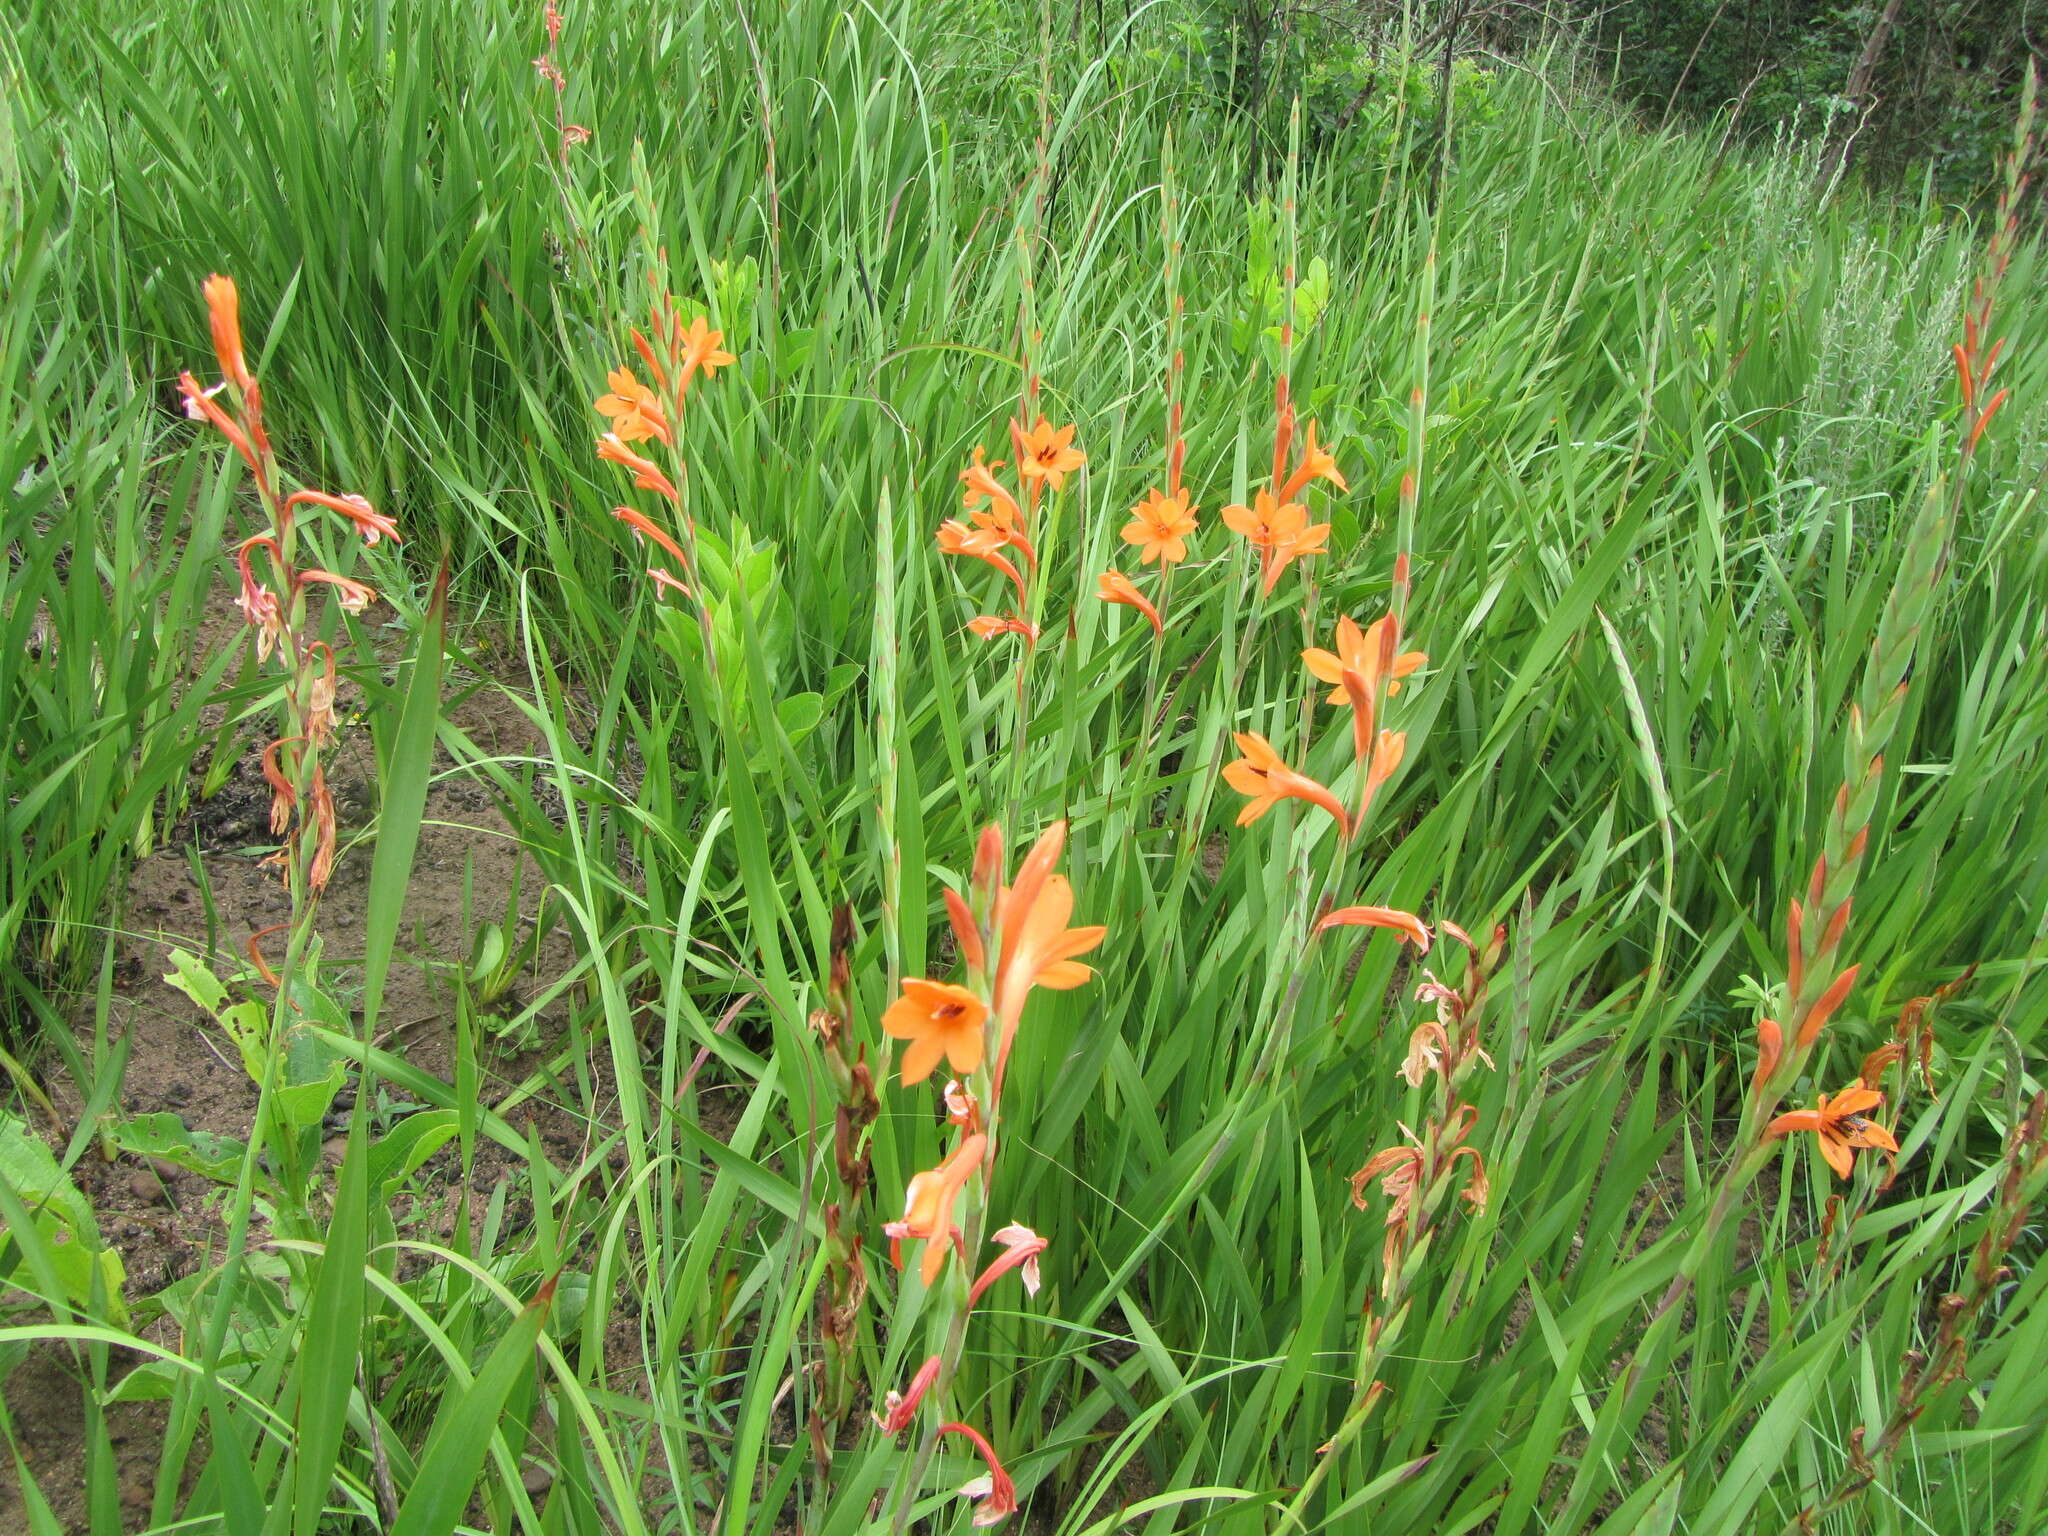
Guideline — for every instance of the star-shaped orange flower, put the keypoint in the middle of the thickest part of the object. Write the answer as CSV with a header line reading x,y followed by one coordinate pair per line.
x,y
1841,1126
1047,453
1159,526
938,1019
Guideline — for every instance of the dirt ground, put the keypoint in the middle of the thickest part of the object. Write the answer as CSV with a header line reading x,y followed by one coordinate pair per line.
x,y
165,1221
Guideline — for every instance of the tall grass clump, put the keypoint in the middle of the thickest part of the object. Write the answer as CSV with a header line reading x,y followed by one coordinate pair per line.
x,y
1227,803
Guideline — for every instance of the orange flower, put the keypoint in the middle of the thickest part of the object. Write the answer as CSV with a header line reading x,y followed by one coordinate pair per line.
x,y
701,353
322,867
1116,587
928,1208
646,473
1002,516
1361,655
1407,924
369,522
992,1491
1316,464
1160,525
1261,774
956,538
645,527
988,626
1280,531
634,409
1840,1125
939,1019
353,596
224,316
1036,948
1046,452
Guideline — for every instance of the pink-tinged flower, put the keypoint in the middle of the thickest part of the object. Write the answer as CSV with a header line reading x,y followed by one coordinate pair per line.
x,y
322,867
702,353
1839,1124
961,1108
939,1019
1426,1048
928,1208
200,405
668,580
646,474
1116,587
1262,775
369,522
993,1490
353,596
1406,924
224,317
634,409
1046,452
320,696
284,798
1316,464
258,603
1159,527
989,627
1021,1248
900,1408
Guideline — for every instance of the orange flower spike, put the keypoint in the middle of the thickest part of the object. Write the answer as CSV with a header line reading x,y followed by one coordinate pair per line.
x,y
1116,587
1770,1047
1406,924
646,474
1841,1126
1261,774
1160,526
1046,453
940,1020
224,317
1317,463
928,1207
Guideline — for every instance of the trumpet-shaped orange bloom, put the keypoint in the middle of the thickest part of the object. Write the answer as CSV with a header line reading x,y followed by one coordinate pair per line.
x,y
928,1208
1035,947
1363,656
367,520
1279,530
1116,587
702,353
1841,1126
993,1491
353,596
988,626
938,1019
646,528
1406,924
634,409
1159,526
646,473
1316,464
983,544
1261,774
983,486
1047,453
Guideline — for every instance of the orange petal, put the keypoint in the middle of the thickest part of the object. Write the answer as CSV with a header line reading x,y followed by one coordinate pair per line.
x,y
1407,924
